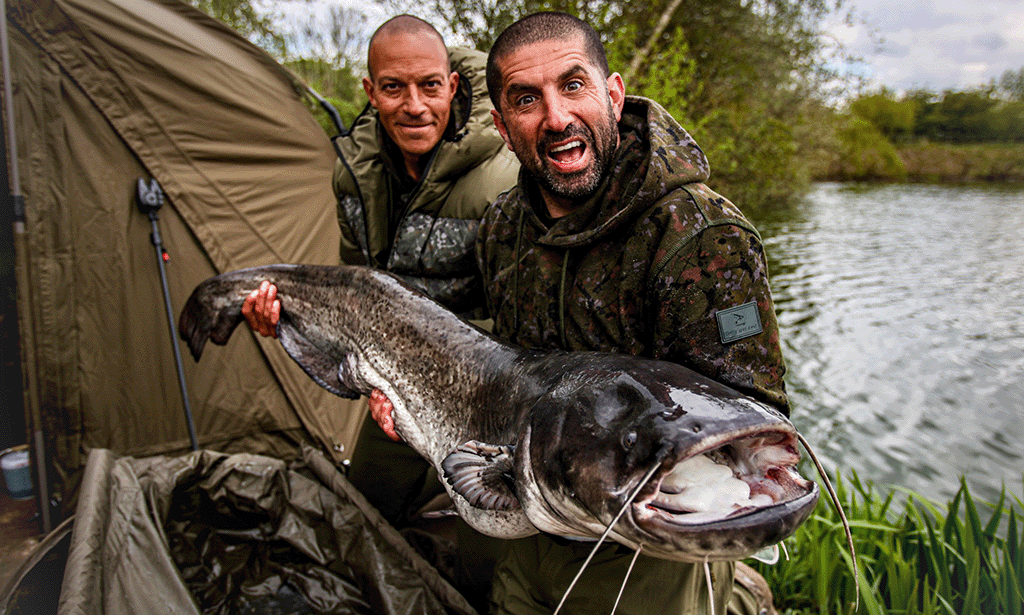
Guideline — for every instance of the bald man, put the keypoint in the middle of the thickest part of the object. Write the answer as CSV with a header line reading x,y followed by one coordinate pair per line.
x,y
415,173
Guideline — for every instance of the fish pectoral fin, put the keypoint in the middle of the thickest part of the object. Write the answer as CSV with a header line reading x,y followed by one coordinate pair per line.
x,y
482,473
317,364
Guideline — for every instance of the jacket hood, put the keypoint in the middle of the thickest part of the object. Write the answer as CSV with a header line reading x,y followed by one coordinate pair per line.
x,y
469,140
655,156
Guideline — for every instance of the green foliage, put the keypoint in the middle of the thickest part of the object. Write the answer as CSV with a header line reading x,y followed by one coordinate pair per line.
x,y
863,153
959,117
1011,84
919,559
339,86
671,78
753,157
967,116
895,119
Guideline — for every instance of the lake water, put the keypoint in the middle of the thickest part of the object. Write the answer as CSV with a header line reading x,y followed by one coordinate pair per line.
x,y
902,318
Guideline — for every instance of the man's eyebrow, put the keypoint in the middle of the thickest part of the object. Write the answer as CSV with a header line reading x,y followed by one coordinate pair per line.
x,y
418,79
573,71
517,88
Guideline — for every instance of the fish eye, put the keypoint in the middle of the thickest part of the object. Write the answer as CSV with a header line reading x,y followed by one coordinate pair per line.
x,y
629,440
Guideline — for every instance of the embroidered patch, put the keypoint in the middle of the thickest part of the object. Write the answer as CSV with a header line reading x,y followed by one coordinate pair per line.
x,y
739,322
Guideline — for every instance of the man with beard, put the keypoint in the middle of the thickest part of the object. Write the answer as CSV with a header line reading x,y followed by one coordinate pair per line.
x,y
612,242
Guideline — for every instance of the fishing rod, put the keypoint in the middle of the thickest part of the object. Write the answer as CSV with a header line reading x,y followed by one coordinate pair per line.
x,y
30,393
149,199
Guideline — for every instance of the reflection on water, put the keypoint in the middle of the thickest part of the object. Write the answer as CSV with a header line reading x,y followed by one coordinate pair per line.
x,y
902,316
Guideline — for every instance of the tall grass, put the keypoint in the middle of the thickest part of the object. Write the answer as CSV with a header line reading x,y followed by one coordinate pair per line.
x,y
915,557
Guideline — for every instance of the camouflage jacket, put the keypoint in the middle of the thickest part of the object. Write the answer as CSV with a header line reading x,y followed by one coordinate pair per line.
x,y
644,267
431,242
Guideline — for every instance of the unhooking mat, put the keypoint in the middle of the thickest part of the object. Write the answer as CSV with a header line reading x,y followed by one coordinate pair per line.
x,y
237,534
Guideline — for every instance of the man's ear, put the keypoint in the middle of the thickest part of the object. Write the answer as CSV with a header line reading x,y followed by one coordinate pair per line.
x,y
617,92
368,88
453,83
499,123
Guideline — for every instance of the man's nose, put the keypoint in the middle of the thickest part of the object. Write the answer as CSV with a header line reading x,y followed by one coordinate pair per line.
x,y
414,102
558,115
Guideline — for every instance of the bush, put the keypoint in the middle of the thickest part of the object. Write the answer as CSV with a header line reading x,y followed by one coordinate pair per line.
x,y
864,154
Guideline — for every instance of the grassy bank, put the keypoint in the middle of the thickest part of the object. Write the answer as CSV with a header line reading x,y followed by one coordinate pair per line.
x,y
915,557
873,159
946,163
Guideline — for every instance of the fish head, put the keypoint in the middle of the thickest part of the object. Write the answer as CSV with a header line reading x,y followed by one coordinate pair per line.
x,y
697,470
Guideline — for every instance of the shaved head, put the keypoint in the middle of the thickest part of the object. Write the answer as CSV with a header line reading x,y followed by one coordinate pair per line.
x,y
398,25
536,28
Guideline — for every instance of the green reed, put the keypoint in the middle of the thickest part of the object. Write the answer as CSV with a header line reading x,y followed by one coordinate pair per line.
x,y
914,557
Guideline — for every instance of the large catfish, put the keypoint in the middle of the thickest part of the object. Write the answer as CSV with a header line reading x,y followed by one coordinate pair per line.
x,y
527,441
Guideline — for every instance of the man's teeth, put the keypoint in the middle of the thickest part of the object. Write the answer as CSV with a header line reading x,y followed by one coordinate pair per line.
x,y
567,146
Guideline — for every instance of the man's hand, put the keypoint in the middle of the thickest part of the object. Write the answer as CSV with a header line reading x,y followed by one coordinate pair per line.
x,y
262,310
380,410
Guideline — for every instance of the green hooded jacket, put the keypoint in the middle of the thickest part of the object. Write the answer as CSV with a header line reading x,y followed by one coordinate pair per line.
x,y
644,267
431,243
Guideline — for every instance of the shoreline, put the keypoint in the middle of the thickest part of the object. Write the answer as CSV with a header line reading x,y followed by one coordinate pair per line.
x,y
935,163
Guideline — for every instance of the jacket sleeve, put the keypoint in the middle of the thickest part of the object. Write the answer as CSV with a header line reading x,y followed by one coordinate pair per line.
x,y
720,268
351,254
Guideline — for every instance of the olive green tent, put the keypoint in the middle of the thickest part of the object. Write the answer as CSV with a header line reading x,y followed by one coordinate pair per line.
x,y
108,92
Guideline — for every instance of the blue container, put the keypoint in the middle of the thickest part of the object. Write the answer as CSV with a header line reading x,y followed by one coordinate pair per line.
x,y
17,471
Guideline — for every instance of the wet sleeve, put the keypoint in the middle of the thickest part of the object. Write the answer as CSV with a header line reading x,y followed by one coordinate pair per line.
x,y
721,270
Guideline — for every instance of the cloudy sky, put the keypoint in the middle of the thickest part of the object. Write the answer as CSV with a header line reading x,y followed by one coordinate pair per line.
x,y
935,44
904,44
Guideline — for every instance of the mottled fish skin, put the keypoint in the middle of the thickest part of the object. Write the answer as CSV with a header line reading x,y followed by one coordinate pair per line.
x,y
527,440
353,329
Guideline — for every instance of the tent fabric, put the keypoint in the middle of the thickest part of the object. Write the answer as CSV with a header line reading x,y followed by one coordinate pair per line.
x,y
238,534
110,91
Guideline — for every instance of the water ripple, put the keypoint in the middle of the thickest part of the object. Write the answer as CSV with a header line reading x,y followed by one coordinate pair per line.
x,y
901,310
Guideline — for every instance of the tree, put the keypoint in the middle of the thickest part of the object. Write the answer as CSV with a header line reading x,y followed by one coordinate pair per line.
x,y
1011,84
326,50
895,119
865,153
960,116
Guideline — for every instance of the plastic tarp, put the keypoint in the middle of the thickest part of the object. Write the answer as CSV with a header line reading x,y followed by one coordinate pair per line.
x,y
238,533
110,91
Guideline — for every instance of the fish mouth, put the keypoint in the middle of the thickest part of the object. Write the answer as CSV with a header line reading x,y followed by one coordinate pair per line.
x,y
730,500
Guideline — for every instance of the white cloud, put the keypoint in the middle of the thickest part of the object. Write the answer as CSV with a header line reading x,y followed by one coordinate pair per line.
x,y
937,44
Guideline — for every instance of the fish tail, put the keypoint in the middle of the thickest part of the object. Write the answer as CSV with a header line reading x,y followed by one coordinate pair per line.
x,y
209,316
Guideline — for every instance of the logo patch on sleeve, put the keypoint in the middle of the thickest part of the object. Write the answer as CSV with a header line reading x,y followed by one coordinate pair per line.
x,y
739,322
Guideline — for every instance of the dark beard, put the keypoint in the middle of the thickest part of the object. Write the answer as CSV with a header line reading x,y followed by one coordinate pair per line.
x,y
582,184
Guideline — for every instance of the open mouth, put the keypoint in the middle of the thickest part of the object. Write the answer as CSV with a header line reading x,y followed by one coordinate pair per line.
x,y
739,478
568,155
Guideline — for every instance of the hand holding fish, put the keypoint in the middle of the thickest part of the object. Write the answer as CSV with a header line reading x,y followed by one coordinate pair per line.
x,y
262,310
380,410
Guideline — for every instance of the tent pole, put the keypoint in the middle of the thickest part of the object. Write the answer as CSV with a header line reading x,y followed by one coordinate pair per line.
x,y
150,199
30,390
